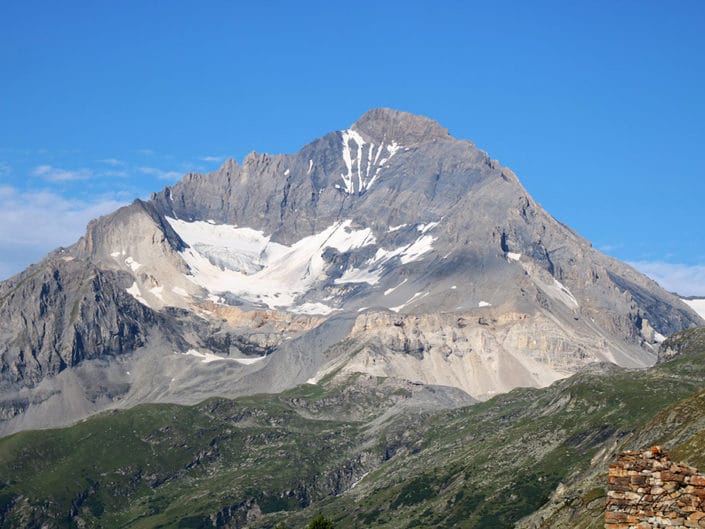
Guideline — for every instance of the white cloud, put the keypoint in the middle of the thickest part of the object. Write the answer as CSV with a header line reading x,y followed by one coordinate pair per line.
x,y
608,248
115,174
56,174
687,280
212,159
34,223
112,161
159,173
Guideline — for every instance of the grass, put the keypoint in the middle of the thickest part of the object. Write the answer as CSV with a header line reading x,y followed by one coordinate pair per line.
x,y
297,453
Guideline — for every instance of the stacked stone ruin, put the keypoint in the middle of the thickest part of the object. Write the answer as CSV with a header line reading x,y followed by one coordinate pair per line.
x,y
646,490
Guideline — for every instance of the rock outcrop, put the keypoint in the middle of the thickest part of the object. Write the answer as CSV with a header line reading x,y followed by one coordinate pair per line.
x,y
62,312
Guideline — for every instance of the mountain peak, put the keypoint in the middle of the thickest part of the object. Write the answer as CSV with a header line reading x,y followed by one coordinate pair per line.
x,y
388,249
382,124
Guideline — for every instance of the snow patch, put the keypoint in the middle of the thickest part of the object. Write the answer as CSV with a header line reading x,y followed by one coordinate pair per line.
x,y
350,161
361,171
423,228
565,295
310,167
357,275
136,293
411,300
390,290
393,149
417,249
157,292
511,256
115,254
550,285
698,305
252,267
249,361
407,254
179,291
133,264
484,304
207,358
395,228
312,308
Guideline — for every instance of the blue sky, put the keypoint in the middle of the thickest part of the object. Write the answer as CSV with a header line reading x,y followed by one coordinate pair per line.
x,y
597,106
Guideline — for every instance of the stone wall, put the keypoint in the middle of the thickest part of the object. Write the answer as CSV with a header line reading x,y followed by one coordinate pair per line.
x,y
646,490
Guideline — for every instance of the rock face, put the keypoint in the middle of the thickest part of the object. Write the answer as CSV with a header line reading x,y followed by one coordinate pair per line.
x,y
646,490
66,311
682,343
389,248
483,352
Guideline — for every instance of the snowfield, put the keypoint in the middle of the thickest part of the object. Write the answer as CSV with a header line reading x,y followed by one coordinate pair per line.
x,y
698,305
245,262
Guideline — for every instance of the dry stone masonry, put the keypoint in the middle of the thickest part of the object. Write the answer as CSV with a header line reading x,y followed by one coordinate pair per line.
x,y
646,490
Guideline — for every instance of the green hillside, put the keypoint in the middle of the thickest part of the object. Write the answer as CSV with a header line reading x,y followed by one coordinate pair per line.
x,y
353,451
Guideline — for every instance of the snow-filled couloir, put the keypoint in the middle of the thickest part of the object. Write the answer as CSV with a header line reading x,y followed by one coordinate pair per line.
x,y
363,161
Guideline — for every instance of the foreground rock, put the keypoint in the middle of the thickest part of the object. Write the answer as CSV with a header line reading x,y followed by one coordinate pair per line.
x,y
646,490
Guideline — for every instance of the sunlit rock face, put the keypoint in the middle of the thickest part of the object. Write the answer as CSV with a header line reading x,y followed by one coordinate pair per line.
x,y
388,248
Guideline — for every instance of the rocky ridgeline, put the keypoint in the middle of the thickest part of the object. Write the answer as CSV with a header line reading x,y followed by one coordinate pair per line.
x,y
646,490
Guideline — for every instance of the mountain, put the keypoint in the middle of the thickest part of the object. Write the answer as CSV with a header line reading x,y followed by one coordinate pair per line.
x,y
362,450
388,249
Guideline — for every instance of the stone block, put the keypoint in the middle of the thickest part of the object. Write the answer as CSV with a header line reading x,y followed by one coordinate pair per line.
x,y
615,517
668,475
648,491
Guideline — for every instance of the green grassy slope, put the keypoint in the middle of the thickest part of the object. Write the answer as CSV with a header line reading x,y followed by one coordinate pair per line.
x,y
679,427
335,449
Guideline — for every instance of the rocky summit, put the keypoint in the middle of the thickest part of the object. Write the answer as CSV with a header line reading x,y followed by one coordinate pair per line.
x,y
389,249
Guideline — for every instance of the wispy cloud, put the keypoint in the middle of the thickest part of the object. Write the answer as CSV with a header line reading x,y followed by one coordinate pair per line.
x,y
34,223
607,248
212,159
112,161
687,280
159,173
56,174
115,174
